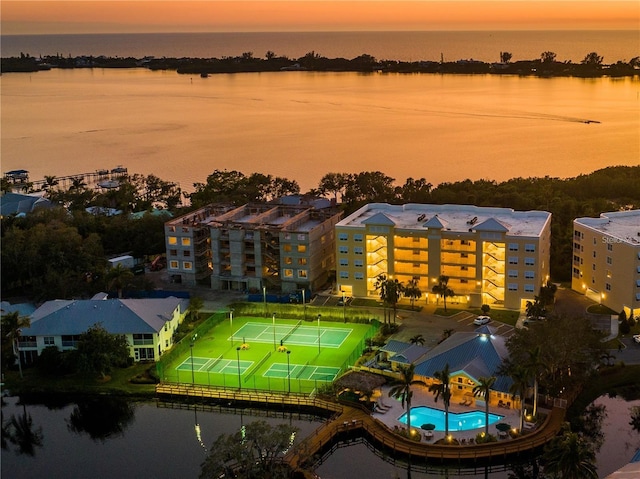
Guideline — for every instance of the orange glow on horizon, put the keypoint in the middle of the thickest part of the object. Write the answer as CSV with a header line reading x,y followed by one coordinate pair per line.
x,y
116,16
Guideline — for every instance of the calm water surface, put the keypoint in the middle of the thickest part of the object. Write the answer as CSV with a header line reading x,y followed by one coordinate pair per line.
x,y
301,125
162,443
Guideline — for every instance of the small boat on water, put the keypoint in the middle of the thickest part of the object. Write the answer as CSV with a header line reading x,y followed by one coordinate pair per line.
x,y
204,75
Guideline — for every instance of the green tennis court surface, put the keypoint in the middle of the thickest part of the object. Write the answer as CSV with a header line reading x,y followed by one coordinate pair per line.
x,y
302,371
215,365
292,334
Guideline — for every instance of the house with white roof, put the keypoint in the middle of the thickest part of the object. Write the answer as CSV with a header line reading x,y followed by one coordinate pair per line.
x,y
148,324
494,256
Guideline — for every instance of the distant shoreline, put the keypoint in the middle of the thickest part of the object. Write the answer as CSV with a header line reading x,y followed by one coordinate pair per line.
x,y
590,67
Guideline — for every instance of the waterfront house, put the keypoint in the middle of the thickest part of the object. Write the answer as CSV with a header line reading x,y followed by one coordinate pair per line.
x,y
148,324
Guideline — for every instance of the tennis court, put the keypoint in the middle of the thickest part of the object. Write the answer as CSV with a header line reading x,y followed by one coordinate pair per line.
x,y
302,371
296,334
215,365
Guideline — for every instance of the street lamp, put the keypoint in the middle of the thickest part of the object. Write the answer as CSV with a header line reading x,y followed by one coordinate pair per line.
x,y
193,341
319,332
238,356
231,319
288,372
273,319
264,300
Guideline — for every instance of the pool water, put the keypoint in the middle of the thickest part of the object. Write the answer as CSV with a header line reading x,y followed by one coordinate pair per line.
x,y
457,421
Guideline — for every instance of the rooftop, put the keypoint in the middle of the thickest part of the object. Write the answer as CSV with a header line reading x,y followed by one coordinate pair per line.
x,y
455,218
621,225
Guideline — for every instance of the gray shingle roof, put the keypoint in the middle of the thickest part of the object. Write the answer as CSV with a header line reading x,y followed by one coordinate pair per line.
x,y
117,316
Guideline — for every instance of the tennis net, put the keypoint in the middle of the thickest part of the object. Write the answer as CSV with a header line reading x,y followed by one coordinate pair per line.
x,y
293,330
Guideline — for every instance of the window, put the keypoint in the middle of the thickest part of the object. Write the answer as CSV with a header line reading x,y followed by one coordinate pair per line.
x,y
145,354
594,254
464,255
287,273
358,237
609,247
513,273
513,246
172,240
343,249
609,260
173,265
343,236
359,263
344,262
173,252
607,286
166,343
172,229
529,261
344,275
302,273
49,341
302,237
359,275
287,236
185,229
323,239
594,241
529,248
186,241
608,273
513,260
302,261
513,287
302,248
186,253
529,274
358,250
286,248
528,288
288,260
576,234
465,242
139,339
593,267
638,283
187,265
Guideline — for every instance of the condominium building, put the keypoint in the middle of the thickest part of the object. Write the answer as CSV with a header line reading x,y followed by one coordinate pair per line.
x,y
284,246
494,256
606,259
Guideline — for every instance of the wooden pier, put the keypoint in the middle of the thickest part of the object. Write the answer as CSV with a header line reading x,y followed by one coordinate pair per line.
x,y
350,421
21,177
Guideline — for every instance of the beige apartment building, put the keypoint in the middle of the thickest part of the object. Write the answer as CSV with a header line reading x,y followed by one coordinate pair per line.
x,y
281,246
606,259
494,256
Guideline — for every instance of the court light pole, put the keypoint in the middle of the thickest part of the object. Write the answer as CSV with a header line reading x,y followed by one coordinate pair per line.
x,y
238,357
264,300
231,319
273,320
319,332
344,308
304,305
193,341
288,372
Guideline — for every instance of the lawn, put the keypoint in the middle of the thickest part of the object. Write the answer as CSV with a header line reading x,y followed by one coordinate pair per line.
x,y
254,355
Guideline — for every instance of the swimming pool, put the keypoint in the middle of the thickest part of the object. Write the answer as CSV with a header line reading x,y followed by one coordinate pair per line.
x,y
457,421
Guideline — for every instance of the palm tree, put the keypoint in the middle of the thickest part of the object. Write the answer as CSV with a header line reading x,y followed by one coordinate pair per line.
x,y
401,389
49,182
443,289
118,278
23,434
417,339
77,183
483,388
534,367
520,385
443,388
12,325
390,291
571,457
412,291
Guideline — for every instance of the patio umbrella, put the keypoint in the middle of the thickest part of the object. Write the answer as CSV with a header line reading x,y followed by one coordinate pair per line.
x,y
428,427
503,426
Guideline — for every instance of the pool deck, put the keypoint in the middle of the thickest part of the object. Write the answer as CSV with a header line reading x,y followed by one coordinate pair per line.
x,y
422,397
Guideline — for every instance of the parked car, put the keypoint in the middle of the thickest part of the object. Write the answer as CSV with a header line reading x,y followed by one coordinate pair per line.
x,y
532,319
636,338
480,320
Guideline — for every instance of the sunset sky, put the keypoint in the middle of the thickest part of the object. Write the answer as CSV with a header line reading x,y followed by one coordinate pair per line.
x,y
114,16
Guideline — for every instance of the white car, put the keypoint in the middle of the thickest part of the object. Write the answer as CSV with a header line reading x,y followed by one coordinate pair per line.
x,y
636,338
480,320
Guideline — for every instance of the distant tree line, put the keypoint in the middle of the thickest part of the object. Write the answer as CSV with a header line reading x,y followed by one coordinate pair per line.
x,y
547,65
60,252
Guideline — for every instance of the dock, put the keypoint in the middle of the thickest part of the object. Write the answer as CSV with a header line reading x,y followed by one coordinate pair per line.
x,y
346,421
100,177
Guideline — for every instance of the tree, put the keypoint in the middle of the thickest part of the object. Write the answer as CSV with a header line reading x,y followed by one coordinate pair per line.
x,y
195,306
485,308
592,59
414,191
519,387
534,366
547,293
442,288
417,339
483,388
101,417
270,55
535,308
442,388
390,291
50,182
12,325
334,183
412,291
548,57
99,351
401,389
505,57
22,433
251,453
119,277
570,457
